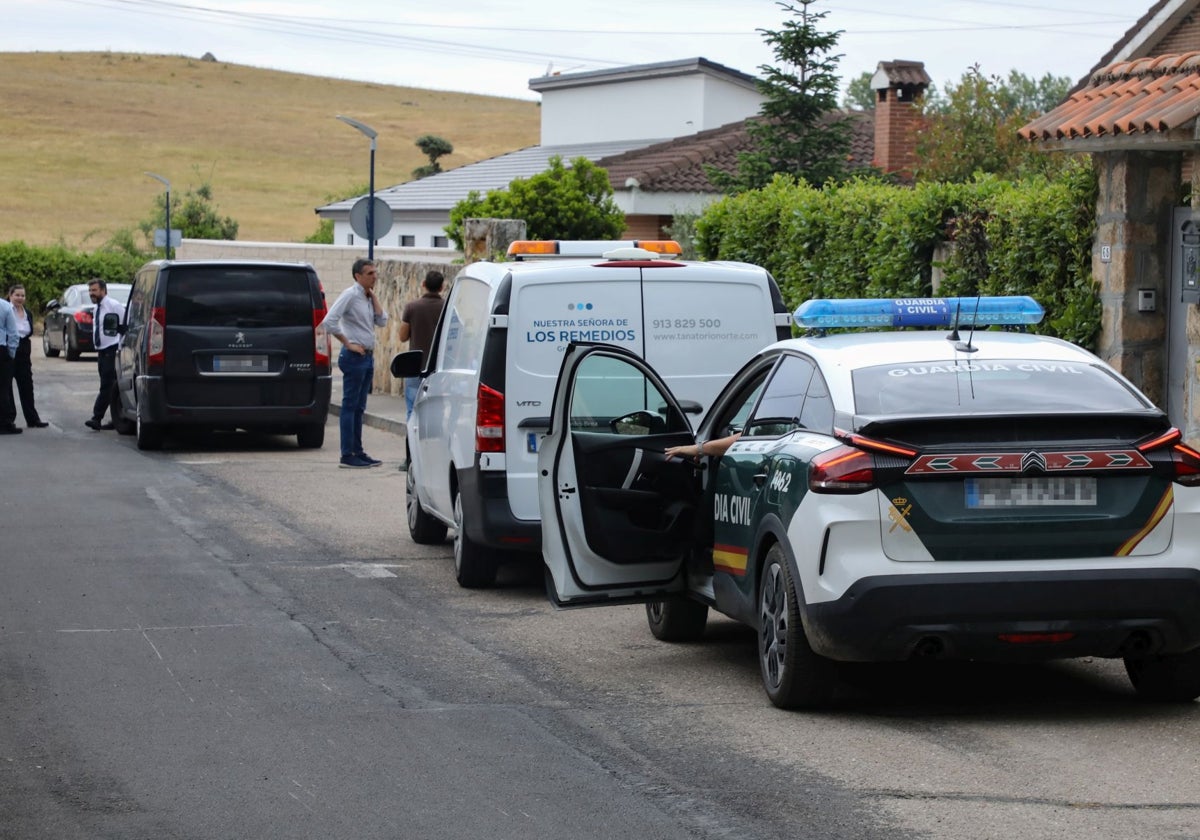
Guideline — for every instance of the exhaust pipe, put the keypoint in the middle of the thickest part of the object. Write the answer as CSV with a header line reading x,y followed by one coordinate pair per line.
x,y
929,647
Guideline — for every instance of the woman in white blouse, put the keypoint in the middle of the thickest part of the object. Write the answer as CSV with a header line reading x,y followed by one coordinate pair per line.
x,y
23,365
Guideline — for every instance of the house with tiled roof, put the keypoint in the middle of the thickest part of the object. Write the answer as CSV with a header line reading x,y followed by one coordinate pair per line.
x,y
1138,115
656,129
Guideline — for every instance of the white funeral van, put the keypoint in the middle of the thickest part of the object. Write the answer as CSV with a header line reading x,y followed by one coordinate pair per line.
x,y
487,388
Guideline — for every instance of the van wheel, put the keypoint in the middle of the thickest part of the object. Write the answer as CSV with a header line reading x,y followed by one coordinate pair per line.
x,y
474,568
69,346
677,619
121,423
793,676
1172,679
149,435
311,437
47,350
424,529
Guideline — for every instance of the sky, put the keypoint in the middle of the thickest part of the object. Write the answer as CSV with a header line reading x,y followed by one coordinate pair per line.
x,y
496,46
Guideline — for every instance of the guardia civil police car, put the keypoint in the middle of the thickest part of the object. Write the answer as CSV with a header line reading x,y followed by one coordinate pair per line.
x,y
983,494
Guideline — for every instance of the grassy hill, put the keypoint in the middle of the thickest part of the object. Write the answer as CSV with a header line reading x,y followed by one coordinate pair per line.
x,y
79,130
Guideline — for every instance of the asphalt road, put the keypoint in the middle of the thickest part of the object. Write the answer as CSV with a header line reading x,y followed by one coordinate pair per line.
x,y
233,638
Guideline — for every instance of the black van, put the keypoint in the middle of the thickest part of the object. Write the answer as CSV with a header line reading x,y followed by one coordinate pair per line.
x,y
218,344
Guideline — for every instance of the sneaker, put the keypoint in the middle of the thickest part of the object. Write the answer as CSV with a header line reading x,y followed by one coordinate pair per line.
x,y
371,462
353,462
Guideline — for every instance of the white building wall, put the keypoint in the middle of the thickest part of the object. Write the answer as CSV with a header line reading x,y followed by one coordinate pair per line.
x,y
425,232
654,108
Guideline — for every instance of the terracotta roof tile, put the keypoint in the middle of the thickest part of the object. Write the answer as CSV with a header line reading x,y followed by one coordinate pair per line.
x,y
680,165
1149,95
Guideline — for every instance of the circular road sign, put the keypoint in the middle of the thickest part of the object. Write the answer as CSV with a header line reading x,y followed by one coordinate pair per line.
x,y
383,217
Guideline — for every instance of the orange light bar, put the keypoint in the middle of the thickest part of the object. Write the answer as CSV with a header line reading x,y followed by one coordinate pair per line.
x,y
659,246
523,247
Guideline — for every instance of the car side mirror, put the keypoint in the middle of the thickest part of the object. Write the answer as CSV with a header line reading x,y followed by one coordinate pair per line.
x,y
111,324
408,364
53,304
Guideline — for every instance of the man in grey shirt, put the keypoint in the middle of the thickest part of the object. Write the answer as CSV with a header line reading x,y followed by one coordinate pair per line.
x,y
352,320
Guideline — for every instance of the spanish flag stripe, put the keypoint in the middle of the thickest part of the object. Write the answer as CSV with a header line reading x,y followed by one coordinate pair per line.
x,y
730,559
1160,511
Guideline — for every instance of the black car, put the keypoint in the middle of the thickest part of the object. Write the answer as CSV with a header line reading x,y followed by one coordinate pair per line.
x,y
68,320
221,344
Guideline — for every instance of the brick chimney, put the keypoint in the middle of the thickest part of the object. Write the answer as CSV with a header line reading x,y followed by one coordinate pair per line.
x,y
899,86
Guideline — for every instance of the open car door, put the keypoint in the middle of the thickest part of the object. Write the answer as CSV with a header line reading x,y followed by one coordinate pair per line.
x,y
618,518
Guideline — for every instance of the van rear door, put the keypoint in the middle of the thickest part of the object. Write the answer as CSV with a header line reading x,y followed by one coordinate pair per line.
x,y
702,321
551,307
239,335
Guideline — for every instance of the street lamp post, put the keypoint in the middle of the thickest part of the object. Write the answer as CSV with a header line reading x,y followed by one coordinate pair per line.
x,y
168,207
371,134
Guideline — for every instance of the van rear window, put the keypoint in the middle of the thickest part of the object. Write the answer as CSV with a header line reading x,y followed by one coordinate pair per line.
x,y
213,296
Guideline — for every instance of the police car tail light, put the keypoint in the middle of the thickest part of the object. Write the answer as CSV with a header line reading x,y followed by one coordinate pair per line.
x,y
489,420
872,445
844,469
1017,310
156,334
1185,459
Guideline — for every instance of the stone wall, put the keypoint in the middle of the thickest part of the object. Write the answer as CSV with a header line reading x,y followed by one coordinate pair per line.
x,y
1137,195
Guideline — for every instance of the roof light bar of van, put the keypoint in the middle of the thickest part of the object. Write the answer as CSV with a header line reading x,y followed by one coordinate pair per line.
x,y
919,312
533,248
524,248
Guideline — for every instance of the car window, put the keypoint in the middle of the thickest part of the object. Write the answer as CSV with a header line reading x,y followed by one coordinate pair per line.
x,y
782,402
987,387
118,293
611,395
817,414
733,416
230,296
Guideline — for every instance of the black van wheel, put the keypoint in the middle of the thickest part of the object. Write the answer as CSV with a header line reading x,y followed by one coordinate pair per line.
x,y
424,529
677,619
149,435
121,423
793,676
311,437
474,567
1170,679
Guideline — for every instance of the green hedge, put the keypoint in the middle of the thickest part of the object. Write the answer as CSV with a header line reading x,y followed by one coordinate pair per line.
x,y
45,272
867,238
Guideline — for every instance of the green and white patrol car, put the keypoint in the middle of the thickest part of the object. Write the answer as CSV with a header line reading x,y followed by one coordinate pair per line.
x,y
981,494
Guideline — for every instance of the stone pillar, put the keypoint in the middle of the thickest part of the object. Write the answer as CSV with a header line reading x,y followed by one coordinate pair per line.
x,y
399,282
488,239
1138,191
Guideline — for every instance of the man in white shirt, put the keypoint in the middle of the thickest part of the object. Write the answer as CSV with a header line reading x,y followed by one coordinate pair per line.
x,y
8,354
352,320
106,350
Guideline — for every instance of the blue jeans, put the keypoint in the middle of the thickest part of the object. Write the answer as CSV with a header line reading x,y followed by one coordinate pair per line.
x,y
357,373
411,386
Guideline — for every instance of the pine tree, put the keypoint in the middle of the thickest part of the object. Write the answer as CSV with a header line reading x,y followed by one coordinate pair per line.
x,y
799,130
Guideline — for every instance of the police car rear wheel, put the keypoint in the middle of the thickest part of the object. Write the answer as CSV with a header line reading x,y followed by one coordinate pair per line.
x,y
793,676
1172,679
677,619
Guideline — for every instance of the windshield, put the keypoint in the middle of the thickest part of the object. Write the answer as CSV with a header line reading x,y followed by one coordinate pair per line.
x,y
1003,386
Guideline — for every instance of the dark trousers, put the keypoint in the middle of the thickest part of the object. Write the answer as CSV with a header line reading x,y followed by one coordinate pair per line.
x,y
106,361
23,376
8,408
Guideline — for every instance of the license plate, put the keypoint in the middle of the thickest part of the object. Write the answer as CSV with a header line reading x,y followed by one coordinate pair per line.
x,y
241,364
1031,491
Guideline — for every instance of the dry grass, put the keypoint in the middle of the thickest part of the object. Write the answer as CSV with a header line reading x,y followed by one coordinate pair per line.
x,y
78,130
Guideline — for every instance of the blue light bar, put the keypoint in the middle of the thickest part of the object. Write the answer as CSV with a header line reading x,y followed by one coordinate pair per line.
x,y
919,312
